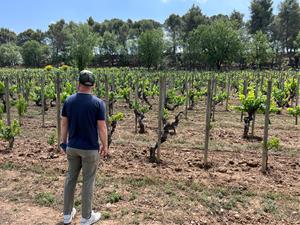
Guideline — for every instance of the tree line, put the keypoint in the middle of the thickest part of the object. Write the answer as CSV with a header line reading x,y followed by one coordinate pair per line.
x,y
190,41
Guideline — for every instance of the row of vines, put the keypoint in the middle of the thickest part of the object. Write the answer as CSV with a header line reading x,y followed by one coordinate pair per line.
x,y
165,93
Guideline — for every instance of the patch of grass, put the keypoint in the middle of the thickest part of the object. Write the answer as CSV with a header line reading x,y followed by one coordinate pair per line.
x,y
135,221
7,166
169,191
101,181
148,215
45,199
140,182
105,215
124,212
269,206
52,139
37,169
136,211
132,197
272,196
113,197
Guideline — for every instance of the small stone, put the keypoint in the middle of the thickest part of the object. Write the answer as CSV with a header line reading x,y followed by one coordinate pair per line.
x,y
236,216
222,170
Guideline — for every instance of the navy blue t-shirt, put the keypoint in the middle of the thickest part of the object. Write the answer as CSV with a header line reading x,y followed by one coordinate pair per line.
x,y
83,111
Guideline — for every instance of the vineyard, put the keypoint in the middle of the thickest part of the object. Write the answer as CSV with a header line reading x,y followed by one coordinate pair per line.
x,y
184,147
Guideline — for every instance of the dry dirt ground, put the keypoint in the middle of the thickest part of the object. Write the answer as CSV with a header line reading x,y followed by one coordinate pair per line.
x,y
130,190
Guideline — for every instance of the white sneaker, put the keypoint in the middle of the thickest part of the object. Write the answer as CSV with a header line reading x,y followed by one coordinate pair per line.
x,y
68,218
95,217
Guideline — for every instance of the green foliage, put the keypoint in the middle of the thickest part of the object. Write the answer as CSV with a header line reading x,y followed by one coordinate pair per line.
x,y
175,99
261,15
68,90
280,97
152,91
8,133
35,54
45,199
113,197
294,111
220,97
251,104
124,92
109,44
50,92
116,117
165,114
2,88
22,105
269,206
83,43
291,86
52,139
273,143
10,55
1,110
8,165
150,48
288,23
139,107
216,43
106,215
260,49
7,36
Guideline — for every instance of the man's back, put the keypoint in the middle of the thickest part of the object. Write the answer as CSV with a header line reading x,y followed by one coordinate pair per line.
x,y
83,111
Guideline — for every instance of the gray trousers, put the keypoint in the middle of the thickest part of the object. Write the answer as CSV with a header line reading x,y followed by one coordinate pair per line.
x,y
87,160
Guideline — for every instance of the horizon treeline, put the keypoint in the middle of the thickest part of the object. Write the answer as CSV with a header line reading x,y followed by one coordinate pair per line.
x,y
190,41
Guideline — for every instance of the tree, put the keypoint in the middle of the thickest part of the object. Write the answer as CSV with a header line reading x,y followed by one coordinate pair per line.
x,y
10,55
173,24
237,18
260,49
261,15
110,46
289,23
59,36
217,43
7,36
35,54
192,19
193,52
29,35
83,42
139,27
150,48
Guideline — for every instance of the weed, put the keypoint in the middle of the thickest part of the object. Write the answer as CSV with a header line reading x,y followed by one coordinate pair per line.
x,y
105,215
140,182
113,197
269,206
7,166
124,212
45,199
51,139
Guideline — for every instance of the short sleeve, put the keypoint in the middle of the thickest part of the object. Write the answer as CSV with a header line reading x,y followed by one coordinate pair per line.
x,y
64,110
101,111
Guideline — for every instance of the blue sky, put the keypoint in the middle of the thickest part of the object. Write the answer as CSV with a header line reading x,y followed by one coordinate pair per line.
x,y
19,15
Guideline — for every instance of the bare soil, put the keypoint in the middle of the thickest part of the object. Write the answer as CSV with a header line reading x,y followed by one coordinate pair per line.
x,y
130,190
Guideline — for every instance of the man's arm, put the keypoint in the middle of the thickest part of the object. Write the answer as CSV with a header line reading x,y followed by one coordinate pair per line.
x,y
103,136
64,129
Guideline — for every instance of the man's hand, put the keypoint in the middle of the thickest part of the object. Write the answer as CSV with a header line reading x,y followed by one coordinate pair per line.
x,y
103,151
63,148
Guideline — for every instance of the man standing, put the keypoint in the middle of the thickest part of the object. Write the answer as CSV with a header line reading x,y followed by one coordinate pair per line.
x,y
83,123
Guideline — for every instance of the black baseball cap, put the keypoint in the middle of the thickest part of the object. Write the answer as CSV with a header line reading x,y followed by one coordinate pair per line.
x,y
86,78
